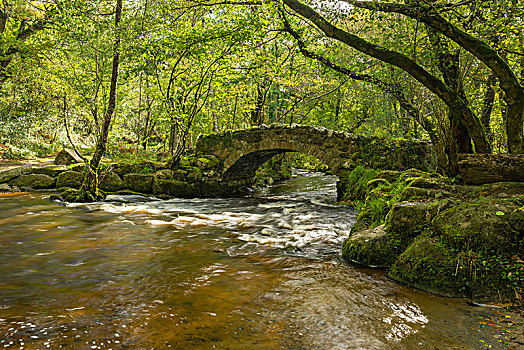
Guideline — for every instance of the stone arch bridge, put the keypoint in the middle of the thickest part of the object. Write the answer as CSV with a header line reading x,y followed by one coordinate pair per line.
x,y
242,152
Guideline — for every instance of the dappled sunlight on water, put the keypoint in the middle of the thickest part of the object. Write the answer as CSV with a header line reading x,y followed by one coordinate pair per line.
x,y
262,272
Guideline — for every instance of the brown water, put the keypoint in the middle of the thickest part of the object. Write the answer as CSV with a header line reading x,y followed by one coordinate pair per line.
x,y
262,272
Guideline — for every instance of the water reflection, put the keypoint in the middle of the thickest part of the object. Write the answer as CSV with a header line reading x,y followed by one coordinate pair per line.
x,y
261,272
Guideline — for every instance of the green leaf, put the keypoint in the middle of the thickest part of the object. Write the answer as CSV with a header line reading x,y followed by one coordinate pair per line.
x,y
500,213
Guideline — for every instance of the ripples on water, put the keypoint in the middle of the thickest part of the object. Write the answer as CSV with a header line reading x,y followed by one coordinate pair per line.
x,y
262,272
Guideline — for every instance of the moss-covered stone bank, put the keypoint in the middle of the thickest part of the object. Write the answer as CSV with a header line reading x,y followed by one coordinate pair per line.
x,y
195,175
438,235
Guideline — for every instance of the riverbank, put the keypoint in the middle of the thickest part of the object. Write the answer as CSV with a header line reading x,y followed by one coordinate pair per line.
x,y
438,235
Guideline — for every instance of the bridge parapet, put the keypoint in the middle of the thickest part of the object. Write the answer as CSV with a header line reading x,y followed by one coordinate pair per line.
x,y
242,152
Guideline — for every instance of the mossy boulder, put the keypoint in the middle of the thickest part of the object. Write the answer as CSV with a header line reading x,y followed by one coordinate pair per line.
x,y
408,217
51,170
110,182
372,247
36,181
122,169
71,179
8,175
81,167
167,174
139,182
67,157
429,265
81,196
411,193
173,188
516,220
480,225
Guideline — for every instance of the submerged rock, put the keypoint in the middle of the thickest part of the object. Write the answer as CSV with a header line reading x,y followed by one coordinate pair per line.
x,y
36,181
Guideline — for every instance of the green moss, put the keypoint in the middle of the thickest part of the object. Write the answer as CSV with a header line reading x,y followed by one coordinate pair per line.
x,y
373,247
429,265
82,196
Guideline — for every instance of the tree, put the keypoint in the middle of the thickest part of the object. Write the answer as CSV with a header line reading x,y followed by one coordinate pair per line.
x,y
431,16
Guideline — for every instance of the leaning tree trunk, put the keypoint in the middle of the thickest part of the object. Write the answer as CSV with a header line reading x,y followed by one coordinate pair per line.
x,y
90,185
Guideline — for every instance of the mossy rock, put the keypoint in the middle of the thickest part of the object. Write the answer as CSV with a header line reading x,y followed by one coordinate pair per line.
x,y
36,181
51,170
428,265
410,193
122,169
516,220
389,175
431,182
81,196
110,182
67,157
408,219
499,189
173,188
168,174
138,182
483,226
81,167
372,247
71,179
149,167
8,175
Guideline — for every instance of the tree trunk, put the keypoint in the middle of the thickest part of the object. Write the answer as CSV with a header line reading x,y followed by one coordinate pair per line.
x,y
488,168
91,180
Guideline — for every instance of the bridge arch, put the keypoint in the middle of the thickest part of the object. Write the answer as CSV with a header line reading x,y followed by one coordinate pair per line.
x,y
242,152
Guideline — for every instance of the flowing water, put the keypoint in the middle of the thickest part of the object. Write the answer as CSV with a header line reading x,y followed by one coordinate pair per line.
x,y
261,272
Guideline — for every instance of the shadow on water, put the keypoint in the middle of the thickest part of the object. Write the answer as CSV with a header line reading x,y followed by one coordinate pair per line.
x,y
262,272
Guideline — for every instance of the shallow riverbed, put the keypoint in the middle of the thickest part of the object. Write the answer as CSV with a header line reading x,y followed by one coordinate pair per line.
x,y
261,272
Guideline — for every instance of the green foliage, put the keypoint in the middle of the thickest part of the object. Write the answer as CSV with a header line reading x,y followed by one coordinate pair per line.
x,y
306,161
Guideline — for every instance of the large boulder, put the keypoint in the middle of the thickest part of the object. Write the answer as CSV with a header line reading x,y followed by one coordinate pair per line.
x,y
516,220
173,188
110,182
427,265
72,179
138,182
35,181
480,225
372,247
408,217
122,169
67,157
51,170
8,175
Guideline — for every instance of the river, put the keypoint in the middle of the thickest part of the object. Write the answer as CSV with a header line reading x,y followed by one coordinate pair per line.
x,y
260,272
